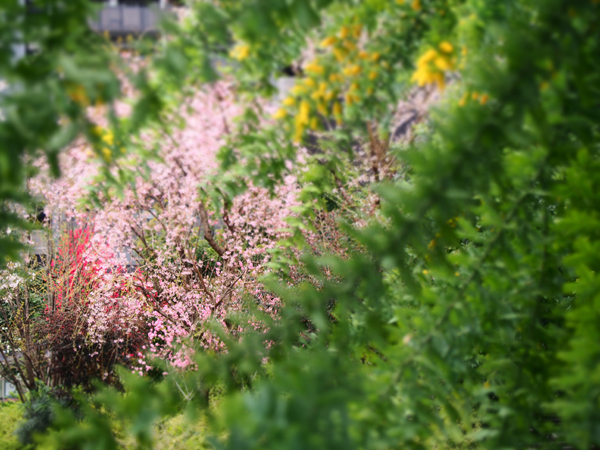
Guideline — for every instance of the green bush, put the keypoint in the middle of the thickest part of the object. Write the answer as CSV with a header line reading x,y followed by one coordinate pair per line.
x,y
38,412
180,433
10,416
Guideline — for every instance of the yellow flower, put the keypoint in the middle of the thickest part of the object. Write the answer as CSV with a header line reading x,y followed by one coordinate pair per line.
x,y
440,80
463,100
416,5
484,98
320,92
339,54
310,82
372,75
240,52
344,32
423,76
363,55
322,109
329,41
375,57
474,95
108,137
370,91
335,77
446,47
357,30
303,113
298,89
302,120
314,67
427,73
337,110
352,70
350,98
289,101
280,114
443,63
106,154
350,45
299,133
105,135
329,95
314,123
353,87
464,51
427,57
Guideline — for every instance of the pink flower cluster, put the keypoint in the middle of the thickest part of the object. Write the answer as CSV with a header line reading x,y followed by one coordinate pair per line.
x,y
187,264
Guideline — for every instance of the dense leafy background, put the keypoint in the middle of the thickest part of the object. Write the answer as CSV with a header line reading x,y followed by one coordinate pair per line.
x,y
468,312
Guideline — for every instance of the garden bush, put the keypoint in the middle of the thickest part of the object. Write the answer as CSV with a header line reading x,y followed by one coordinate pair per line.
x,y
38,412
10,416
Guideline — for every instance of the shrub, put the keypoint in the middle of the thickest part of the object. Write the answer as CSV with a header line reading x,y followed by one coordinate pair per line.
x,y
47,334
38,412
10,416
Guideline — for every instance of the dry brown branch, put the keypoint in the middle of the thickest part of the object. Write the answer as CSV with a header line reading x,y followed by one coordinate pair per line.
x,y
207,230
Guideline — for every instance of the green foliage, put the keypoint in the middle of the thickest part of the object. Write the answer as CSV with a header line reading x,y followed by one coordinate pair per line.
x,y
10,415
38,413
44,95
466,314
180,433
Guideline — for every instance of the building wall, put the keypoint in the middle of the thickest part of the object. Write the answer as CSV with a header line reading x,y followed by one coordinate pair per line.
x,y
128,17
7,389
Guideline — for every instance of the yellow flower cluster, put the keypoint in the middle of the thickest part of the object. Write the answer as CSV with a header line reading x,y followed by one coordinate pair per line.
x,y
345,71
432,65
240,52
106,137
